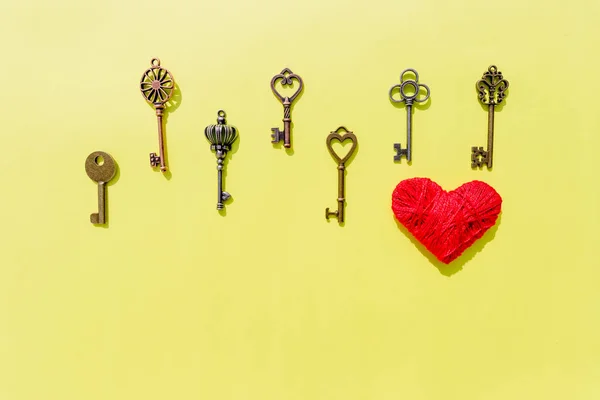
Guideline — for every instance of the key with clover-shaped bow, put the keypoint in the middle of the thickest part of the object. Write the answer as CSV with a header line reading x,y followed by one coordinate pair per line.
x,y
491,90
409,95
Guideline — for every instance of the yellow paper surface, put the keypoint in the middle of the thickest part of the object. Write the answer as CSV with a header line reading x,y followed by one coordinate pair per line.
x,y
173,300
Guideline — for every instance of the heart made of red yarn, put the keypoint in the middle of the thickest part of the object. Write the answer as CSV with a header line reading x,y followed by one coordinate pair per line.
x,y
446,223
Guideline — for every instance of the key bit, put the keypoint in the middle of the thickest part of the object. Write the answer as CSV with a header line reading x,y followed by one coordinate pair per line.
x,y
400,152
287,77
277,135
491,91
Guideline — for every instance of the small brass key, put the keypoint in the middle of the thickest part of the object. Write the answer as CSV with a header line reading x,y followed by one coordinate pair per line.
x,y
286,77
339,213
491,90
409,97
101,168
157,86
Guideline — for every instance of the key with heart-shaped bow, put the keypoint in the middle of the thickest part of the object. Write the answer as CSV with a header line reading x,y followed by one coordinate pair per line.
x,y
341,161
409,94
286,77
491,91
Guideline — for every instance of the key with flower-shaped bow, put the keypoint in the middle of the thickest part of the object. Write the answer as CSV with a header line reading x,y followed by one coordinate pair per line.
x,y
409,94
157,86
491,89
286,77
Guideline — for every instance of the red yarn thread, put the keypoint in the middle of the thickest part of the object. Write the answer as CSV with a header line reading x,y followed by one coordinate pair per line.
x,y
446,223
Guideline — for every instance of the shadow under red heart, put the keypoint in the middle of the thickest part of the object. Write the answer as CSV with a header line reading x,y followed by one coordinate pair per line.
x,y
446,223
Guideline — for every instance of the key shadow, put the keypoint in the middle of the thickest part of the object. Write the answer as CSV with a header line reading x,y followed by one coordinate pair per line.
x,y
419,106
114,180
279,145
457,264
170,107
342,224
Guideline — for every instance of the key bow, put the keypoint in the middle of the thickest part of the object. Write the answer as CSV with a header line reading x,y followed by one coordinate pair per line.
x,y
409,99
286,77
492,87
341,138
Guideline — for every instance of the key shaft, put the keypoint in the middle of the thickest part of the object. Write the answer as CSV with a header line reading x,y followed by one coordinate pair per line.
x,y
408,132
100,216
287,120
161,144
341,192
490,136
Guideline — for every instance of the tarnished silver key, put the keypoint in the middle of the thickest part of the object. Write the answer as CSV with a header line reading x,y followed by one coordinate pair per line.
x,y
408,97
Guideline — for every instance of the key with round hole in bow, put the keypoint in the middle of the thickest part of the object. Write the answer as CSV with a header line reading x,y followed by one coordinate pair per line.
x,y
157,86
409,94
491,90
341,161
101,168
286,77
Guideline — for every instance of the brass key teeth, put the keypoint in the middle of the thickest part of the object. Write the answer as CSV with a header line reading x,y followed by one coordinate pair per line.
x,y
479,157
94,218
154,160
330,213
400,152
277,135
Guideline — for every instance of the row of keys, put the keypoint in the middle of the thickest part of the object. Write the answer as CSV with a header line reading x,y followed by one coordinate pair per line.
x,y
101,167
491,89
158,85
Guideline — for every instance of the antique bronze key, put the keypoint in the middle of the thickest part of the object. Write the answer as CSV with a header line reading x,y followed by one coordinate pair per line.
x,y
101,168
286,77
409,98
491,91
157,86
221,137
339,213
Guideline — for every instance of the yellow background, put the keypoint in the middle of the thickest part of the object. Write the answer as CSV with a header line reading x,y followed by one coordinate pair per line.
x,y
176,301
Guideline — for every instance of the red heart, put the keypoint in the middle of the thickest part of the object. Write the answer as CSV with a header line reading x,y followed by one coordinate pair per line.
x,y
446,223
